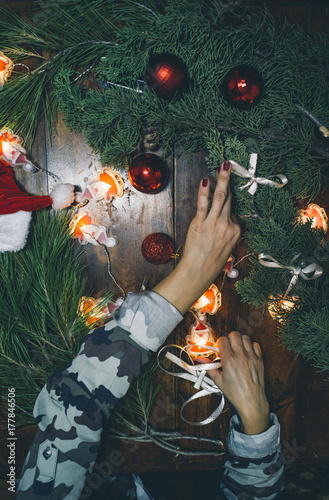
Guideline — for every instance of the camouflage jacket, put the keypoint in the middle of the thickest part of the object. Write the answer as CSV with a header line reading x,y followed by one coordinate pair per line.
x,y
254,464
70,409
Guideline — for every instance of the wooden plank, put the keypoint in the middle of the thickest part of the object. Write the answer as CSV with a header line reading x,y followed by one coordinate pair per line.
x,y
318,18
22,8
281,368
130,218
303,412
189,170
287,3
311,432
36,182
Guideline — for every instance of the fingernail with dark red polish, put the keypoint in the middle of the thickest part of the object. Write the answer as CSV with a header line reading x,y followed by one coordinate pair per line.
x,y
205,182
226,166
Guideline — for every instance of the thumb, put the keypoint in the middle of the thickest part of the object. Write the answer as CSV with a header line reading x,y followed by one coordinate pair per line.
x,y
217,377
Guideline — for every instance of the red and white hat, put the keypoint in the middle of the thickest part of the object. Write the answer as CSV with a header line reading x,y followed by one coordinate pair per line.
x,y
16,207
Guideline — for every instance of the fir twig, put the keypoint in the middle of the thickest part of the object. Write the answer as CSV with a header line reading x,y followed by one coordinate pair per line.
x,y
42,325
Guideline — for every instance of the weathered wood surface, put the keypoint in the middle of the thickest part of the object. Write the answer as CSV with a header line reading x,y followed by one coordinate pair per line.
x,y
298,394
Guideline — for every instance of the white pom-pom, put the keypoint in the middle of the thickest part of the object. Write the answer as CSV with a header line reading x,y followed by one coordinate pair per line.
x,y
234,273
63,196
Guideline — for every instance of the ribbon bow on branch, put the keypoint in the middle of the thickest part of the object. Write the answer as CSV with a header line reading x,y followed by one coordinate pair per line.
x,y
310,272
250,174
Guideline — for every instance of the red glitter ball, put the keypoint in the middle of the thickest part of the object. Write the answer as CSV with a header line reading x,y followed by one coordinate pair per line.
x,y
242,86
157,248
148,173
165,74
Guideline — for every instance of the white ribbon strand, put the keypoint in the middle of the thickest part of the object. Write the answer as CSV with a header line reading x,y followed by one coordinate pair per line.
x,y
252,184
310,272
199,379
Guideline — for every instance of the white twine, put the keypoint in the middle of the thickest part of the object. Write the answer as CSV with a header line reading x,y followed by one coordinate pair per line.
x,y
314,269
200,380
251,174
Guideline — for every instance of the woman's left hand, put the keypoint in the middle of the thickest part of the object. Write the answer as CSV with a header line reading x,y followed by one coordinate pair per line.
x,y
211,237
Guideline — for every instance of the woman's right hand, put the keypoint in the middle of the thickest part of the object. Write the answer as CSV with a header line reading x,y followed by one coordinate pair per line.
x,y
242,380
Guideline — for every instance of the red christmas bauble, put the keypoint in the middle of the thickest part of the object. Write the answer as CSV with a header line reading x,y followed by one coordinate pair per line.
x,y
148,173
157,248
165,74
242,86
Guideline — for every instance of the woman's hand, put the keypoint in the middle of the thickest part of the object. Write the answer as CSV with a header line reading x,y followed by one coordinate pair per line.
x,y
211,237
242,380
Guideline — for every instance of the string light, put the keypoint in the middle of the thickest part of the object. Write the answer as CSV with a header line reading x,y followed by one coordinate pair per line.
x,y
209,302
85,229
317,215
200,336
12,151
108,185
229,268
96,311
277,309
200,339
6,67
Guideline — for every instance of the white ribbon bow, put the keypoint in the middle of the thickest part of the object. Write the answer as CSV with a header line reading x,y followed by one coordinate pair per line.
x,y
200,380
315,269
250,174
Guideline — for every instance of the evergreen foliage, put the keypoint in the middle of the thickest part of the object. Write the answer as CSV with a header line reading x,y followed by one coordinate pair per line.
x,y
41,324
114,40
305,328
276,231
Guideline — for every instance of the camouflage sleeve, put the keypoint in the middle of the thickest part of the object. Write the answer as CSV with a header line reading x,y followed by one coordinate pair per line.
x,y
69,410
253,465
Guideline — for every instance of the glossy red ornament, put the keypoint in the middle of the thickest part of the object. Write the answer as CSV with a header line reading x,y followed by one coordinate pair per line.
x,y
242,86
165,74
157,248
148,173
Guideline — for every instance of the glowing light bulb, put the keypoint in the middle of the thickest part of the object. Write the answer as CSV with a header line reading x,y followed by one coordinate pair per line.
x,y
209,302
317,214
6,66
200,338
86,230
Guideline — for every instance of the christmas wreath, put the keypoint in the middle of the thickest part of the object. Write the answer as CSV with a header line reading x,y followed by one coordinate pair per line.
x,y
133,76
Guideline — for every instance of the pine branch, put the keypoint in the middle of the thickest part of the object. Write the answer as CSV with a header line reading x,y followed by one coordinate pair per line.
x,y
137,403
305,328
41,323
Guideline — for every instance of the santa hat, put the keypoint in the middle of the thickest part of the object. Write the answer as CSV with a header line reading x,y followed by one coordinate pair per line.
x,y
16,208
